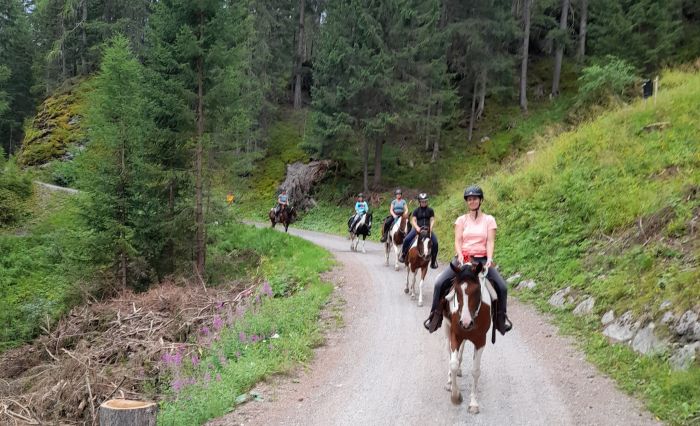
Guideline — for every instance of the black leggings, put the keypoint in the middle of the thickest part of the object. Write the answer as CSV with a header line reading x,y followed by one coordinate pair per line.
x,y
444,281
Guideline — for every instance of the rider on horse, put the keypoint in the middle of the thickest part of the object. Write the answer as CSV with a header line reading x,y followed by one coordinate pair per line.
x,y
423,216
282,202
361,208
396,210
475,235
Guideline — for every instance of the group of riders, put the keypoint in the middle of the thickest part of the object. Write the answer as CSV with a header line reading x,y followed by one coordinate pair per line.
x,y
475,235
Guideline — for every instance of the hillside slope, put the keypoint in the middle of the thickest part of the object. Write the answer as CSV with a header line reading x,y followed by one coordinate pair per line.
x,y
611,211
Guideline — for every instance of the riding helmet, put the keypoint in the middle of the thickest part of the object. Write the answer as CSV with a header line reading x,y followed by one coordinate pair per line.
x,y
360,195
473,191
422,196
398,191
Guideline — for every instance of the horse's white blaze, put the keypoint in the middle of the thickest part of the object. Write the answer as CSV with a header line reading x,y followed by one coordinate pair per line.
x,y
466,316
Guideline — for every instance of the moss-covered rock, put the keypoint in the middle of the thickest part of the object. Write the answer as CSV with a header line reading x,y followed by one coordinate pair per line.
x,y
55,127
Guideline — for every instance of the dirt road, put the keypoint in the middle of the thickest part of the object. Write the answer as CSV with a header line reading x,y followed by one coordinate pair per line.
x,y
384,368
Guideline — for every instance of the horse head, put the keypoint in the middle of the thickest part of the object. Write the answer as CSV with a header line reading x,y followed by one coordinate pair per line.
x,y
466,291
424,244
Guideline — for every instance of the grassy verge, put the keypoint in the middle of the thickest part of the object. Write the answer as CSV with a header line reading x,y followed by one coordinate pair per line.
x,y
41,267
608,209
275,335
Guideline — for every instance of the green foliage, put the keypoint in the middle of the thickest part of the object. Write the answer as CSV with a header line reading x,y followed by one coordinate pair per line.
x,y
610,80
15,189
292,267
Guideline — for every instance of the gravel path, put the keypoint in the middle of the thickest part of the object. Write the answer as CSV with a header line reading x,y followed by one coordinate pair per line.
x,y
382,367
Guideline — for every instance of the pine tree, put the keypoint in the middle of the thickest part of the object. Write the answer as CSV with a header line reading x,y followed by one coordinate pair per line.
x,y
114,170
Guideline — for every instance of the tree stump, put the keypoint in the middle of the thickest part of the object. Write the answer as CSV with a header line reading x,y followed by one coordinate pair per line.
x,y
123,412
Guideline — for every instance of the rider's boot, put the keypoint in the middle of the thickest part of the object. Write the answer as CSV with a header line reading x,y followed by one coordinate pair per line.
x,y
402,257
503,324
434,321
433,263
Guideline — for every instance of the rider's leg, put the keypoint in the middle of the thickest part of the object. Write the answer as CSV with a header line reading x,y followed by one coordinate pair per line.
x,y
442,285
503,324
434,253
407,241
385,229
351,222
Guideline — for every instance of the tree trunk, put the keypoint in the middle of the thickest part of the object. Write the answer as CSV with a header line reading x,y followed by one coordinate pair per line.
x,y
118,412
300,57
482,96
200,247
471,117
378,144
121,191
560,48
427,120
436,143
365,164
83,34
581,53
63,49
526,46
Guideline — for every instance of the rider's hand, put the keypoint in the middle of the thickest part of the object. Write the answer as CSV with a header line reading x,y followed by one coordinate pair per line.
x,y
488,264
460,259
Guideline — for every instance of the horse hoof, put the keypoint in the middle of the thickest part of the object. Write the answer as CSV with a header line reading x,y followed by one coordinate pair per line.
x,y
458,400
396,268
420,303
405,290
459,373
473,409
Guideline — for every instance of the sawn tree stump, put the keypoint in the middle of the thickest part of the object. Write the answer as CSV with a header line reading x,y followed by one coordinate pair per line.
x,y
123,412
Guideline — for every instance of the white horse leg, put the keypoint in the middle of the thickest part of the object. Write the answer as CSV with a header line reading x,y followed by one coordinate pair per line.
x,y
413,285
456,396
363,245
387,251
420,291
461,352
476,371
396,257
447,327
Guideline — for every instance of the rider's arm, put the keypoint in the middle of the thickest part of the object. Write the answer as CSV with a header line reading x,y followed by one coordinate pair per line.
x,y
459,229
490,244
432,223
391,210
414,223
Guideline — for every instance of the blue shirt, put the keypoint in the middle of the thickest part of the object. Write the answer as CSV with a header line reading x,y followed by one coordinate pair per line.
x,y
399,206
282,199
361,207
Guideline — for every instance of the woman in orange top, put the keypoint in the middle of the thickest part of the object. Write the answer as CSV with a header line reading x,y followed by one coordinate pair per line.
x,y
475,237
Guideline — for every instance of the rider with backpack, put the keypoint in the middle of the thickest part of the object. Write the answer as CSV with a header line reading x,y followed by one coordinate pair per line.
x,y
475,234
361,208
421,217
396,210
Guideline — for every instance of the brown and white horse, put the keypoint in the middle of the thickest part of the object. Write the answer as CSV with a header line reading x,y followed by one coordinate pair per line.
x,y
467,308
395,238
418,258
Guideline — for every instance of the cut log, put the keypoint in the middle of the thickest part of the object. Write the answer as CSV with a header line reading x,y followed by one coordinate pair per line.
x,y
123,412
301,178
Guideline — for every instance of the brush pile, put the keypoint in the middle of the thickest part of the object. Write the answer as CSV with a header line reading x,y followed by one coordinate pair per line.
x,y
108,349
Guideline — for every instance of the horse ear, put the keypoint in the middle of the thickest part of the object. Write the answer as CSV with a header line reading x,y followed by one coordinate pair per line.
x,y
477,267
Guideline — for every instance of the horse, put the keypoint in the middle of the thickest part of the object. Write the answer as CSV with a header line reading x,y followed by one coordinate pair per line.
x,y
470,288
286,216
395,238
362,228
418,258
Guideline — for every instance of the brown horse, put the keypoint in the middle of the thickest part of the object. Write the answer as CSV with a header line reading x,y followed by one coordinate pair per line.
x,y
286,216
395,238
467,308
418,258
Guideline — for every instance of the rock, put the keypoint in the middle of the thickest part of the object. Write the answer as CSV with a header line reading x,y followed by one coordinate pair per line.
x,y
513,279
529,284
646,342
622,329
688,326
585,307
668,318
665,305
558,299
685,356
608,317
484,139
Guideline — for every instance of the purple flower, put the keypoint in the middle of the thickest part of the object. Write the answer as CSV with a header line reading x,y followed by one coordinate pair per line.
x,y
254,338
177,385
166,358
222,359
218,377
241,337
218,323
205,330
176,359
267,289
195,360
207,377
219,305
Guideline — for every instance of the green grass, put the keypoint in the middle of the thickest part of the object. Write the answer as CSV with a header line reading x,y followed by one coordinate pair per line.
x,y
571,213
292,266
42,264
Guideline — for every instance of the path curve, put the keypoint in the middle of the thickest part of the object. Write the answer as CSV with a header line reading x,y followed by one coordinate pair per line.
x,y
384,368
